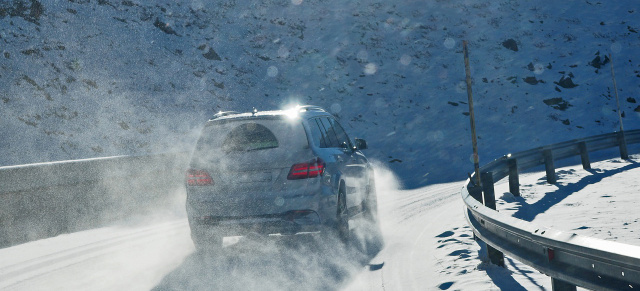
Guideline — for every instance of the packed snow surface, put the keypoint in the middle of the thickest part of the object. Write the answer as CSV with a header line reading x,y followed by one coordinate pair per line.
x,y
425,244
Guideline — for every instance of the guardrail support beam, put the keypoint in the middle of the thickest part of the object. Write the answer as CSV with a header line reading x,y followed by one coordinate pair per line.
x,y
514,180
549,167
476,192
495,256
559,285
488,191
584,155
622,141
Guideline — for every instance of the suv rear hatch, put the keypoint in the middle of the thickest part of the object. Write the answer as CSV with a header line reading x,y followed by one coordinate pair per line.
x,y
248,161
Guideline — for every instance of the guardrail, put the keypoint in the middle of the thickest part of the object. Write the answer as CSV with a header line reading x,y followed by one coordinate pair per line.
x,y
47,199
569,259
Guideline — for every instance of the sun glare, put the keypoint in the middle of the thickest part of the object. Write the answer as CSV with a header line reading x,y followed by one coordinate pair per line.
x,y
292,112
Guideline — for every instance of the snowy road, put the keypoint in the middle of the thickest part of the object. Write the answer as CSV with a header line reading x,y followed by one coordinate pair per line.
x,y
427,246
161,255
112,258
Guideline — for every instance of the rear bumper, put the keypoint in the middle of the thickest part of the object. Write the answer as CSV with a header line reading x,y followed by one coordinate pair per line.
x,y
290,222
243,212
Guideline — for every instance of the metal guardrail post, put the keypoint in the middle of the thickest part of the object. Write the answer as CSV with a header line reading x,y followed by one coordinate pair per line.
x,y
624,154
549,167
476,192
495,256
584,155
488,191
514,180
559,285
614,266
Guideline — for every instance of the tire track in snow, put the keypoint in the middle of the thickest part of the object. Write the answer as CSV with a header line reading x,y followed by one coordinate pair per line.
x,y
409,220
19,272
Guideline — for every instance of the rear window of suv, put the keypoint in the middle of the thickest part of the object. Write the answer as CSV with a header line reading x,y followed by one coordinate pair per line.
x,y
249,137
236,136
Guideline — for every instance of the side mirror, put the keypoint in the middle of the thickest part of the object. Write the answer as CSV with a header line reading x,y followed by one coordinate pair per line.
x,y
361,144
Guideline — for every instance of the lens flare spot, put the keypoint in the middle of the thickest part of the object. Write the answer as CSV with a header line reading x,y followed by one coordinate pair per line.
x,y
370,69
405,60
471,159
335,108
616,47
272,71
449,43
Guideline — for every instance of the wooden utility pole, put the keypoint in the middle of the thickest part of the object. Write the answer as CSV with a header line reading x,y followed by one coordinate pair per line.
x,y
474,140
621,138
615,89
484,184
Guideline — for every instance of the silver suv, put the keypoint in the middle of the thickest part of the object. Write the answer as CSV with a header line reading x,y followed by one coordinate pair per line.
x,y
277,172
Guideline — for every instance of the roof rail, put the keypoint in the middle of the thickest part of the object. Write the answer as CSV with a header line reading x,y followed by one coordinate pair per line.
x,y
224,113
311,108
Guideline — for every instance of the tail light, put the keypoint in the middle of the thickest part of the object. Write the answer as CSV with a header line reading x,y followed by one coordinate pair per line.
x,y
310,169
198,178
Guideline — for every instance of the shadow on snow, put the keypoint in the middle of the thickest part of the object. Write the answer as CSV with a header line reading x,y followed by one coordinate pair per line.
x,y
300,262
502,277
528,212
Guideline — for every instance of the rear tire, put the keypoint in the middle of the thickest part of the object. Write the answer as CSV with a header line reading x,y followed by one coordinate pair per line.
x,y
371,203
342,225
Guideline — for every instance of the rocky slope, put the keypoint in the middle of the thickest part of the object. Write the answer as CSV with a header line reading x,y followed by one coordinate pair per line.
x,y
84,78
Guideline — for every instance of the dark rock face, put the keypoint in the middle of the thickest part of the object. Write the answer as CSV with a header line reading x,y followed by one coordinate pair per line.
x,y
212,55
532,80
166,28
510,44
28,10
557,103
598,62
531,67
566,83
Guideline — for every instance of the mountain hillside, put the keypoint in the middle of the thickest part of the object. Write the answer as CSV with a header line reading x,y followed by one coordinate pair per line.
x,y
85,78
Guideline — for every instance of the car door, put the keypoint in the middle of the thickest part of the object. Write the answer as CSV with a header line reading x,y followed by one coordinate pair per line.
x,y
356,165
328,148
349,163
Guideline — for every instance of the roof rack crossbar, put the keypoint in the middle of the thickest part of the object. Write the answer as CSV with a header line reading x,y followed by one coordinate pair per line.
x,y
224,113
